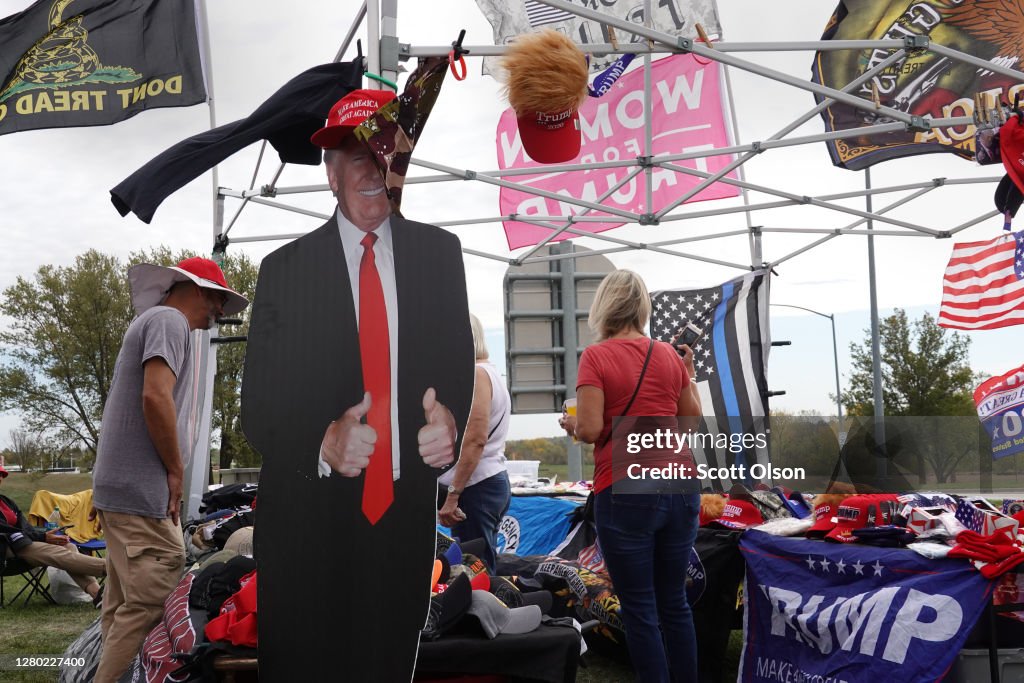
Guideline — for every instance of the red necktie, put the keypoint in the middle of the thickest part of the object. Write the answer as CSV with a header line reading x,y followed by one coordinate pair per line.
x,y
375,351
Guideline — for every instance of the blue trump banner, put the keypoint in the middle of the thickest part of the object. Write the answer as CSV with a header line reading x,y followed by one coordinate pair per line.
x,y
835,613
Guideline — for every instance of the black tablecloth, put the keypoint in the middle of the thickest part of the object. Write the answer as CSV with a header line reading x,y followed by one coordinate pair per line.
x,y
549,654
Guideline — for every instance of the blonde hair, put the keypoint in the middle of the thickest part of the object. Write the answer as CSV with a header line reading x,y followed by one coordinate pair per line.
x,y
621,303
479,343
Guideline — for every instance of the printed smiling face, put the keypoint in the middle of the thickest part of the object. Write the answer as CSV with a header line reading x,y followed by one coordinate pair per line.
x,y
356,182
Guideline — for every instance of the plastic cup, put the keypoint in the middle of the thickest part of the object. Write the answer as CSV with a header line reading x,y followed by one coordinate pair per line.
x,y
569,407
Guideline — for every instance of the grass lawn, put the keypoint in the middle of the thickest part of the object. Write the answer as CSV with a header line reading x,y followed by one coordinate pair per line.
x,y
20,487
38,628
562,471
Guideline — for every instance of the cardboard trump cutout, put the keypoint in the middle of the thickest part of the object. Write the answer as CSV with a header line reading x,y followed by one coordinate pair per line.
x,y
357,387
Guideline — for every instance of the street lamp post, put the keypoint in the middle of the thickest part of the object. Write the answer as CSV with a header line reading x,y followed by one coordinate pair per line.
x,y
835,354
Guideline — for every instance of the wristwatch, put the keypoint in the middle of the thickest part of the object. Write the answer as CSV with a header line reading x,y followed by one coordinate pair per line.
x,y
452,489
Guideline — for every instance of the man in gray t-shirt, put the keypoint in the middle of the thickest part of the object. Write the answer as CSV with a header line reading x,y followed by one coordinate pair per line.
x,y
145,442
129,476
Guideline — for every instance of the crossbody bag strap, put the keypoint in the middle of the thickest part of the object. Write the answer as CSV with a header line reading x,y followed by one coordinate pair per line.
x,y
643,371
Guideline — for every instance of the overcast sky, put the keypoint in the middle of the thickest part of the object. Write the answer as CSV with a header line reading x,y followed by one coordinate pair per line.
x,y
55,184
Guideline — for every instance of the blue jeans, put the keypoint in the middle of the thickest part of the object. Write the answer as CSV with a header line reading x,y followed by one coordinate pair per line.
x,y
484,503
646,541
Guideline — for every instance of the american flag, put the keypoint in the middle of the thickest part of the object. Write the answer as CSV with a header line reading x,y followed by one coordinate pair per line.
x,y
983,287
730,359
970,516
540,14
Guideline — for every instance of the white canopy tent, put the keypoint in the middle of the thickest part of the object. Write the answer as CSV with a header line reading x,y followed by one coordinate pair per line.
x,y
386,51
681,231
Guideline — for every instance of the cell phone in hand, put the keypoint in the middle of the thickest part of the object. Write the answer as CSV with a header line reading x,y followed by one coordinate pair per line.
x,y
688,334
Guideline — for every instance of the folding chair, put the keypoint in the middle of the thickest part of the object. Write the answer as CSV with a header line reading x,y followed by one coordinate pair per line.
x,y
96,546
33,577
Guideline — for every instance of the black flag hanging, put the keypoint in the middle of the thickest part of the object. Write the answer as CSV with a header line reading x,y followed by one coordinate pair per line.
x,y
286,120
730,357
97,62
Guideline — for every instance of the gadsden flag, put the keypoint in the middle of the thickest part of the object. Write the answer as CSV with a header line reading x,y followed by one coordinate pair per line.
x,y
96,62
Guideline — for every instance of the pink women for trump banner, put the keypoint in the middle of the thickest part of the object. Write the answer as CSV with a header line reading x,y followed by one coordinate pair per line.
x,y
687,115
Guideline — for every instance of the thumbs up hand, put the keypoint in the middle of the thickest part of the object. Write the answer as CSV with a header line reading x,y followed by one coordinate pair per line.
x,y
348,443
437,437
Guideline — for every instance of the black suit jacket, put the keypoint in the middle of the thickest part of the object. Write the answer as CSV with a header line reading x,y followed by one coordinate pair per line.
x,y
331,583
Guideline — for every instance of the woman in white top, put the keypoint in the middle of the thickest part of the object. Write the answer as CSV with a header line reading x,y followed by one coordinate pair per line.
x,y
477,488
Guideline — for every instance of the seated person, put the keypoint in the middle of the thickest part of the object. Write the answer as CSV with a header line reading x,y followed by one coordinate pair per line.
x,y
46,548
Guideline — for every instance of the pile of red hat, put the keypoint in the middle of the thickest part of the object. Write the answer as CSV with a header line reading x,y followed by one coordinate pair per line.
x,y
739,514
860,512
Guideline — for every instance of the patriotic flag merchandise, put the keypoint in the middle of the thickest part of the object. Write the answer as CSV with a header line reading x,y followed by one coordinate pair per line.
x,y
920,520
1000,404
730,357
983,287
1012,506
978,515
511,18
540,14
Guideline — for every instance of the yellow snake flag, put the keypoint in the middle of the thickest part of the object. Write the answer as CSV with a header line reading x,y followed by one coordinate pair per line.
x,y
96,62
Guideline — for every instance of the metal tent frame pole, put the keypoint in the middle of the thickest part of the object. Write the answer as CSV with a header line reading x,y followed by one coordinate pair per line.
x,y
380,17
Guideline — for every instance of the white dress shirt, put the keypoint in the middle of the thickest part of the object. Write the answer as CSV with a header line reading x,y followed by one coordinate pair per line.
x,y
384,255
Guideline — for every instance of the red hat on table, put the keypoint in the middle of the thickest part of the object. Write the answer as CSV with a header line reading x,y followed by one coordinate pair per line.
x,y
858,512
739,514
823,520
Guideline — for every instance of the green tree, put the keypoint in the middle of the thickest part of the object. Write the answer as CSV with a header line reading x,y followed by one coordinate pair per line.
x,y
66,325
547,451
925,370
925,377
60,348
26,450
803,439
241,275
